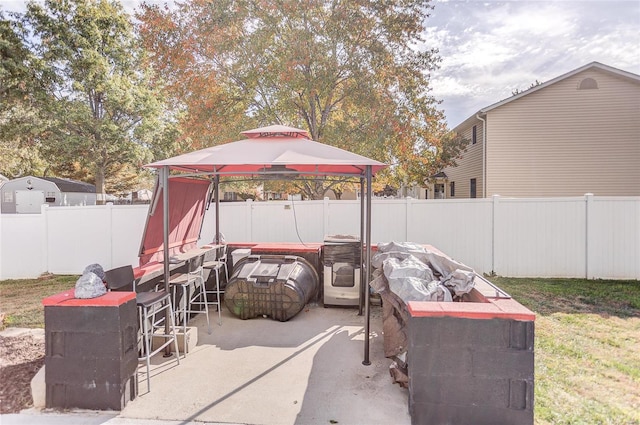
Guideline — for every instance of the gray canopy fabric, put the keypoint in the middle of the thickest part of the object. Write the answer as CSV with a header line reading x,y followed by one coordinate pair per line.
x,y
271,146
282,151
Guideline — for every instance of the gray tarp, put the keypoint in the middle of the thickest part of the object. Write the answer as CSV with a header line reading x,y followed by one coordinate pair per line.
x,y
410,272
412,280
416,273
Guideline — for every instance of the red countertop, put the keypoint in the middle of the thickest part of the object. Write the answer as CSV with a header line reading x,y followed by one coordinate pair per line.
x,y
278,247
147,269
67,299
498,308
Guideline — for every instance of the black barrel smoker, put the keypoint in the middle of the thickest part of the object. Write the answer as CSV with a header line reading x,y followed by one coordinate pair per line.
x,y
277,286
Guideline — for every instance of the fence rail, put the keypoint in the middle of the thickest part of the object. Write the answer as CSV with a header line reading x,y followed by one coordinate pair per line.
x,y
589,236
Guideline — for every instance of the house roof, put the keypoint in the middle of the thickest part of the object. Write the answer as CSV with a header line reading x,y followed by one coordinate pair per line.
x,y
67,185
593,65
64,185
274,149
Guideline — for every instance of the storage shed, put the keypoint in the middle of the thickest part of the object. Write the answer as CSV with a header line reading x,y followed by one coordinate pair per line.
x,y
26,195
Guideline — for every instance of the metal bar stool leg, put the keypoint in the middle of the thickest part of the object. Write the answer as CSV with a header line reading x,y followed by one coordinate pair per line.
x,y
201,299
218,303
181,306
148,303
173,330
149,327
214,267
146,343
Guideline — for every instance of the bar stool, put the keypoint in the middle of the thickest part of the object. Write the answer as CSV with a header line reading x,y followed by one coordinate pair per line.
x,y
215,267
149,304
188,299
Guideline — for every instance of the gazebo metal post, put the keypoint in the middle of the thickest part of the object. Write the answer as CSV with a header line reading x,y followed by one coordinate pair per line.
x,y
362,244
164,178
231,158
366,361
216,184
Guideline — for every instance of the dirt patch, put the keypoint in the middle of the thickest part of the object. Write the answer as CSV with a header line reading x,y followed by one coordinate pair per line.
x,y
21,356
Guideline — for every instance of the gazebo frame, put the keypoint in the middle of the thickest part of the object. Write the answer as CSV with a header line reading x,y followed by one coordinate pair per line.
x,y
280,152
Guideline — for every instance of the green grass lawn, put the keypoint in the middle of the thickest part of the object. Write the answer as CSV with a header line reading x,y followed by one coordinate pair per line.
x,y
587,342
21,299
587,348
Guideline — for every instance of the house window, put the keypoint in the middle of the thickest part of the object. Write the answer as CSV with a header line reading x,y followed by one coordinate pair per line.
x,y
8,196
474,135
588,84
472,190
452,189
230,196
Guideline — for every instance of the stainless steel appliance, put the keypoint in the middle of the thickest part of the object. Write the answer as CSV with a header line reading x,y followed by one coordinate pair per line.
x,y
342,260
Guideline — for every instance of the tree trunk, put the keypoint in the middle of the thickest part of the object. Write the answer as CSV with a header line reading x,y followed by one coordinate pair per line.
x,y
100,193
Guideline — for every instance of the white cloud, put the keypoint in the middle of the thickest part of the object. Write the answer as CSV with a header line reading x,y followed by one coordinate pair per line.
x,y
517,21
449,86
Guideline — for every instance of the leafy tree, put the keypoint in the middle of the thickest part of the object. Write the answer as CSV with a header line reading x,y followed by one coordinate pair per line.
x,y
103,112
353,73
19,119
242,187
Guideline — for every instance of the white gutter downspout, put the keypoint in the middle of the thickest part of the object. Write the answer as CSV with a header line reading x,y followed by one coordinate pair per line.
x,y
484,155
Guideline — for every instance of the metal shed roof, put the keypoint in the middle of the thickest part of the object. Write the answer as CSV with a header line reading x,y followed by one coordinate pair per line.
x,y
68,185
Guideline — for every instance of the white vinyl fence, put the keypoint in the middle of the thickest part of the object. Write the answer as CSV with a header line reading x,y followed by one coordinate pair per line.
x,y
593,237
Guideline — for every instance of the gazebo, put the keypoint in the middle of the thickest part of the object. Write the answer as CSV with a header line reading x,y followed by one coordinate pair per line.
x,y
270,152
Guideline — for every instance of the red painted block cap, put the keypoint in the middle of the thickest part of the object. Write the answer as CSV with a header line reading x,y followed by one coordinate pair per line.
x,y
68,299
503,308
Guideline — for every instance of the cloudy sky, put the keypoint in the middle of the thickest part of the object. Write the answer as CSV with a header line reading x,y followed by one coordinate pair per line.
x,y
490,48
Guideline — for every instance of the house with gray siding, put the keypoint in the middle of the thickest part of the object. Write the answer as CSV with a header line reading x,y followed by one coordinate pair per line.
x,y
575,134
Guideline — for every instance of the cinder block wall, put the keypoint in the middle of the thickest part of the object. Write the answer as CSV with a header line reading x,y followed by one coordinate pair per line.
x,y
91,351
470,371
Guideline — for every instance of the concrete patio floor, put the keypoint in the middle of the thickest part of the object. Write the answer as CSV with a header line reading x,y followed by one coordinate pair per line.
x,y
307,370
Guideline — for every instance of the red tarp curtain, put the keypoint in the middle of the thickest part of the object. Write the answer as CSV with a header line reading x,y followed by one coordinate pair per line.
x,y
187,206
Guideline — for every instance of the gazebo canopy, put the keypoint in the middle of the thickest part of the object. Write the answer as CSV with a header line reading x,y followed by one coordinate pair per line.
x,y
275,149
